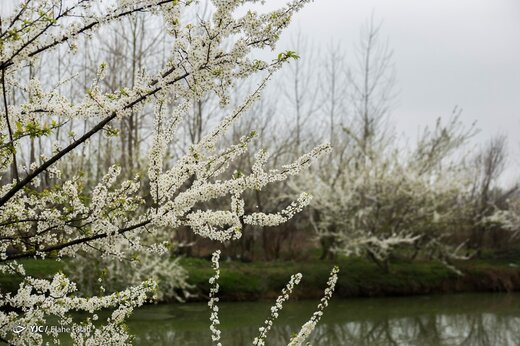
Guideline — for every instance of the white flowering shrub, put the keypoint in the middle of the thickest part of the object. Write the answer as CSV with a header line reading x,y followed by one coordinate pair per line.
x,y
64,217
508,219
108,274
379,201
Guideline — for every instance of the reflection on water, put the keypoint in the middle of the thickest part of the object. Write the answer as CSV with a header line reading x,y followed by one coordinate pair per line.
x,y
468,319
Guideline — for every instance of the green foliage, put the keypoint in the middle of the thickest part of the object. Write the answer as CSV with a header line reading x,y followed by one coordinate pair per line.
x,y
284,56
112,131
33,129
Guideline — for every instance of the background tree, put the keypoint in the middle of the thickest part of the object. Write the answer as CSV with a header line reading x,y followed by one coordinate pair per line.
x,y
375,197
487,197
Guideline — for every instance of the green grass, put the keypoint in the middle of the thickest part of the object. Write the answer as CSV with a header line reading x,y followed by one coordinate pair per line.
x,y
357,277
41,269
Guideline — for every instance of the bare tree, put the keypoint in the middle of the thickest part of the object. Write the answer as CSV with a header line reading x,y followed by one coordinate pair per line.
x,y
302,93
335,90
372,82
486,195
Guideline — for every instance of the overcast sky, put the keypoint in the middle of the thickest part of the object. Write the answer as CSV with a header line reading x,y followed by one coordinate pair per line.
x,y
447,53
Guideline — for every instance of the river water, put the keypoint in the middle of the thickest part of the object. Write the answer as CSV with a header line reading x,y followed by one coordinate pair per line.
x,y
459,319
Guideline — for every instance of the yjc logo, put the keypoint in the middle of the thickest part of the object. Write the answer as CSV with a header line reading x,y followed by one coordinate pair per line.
x,y
18,329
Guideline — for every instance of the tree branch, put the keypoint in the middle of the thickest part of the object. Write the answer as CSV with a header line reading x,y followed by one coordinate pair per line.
x,y
78,241
81,140
4,92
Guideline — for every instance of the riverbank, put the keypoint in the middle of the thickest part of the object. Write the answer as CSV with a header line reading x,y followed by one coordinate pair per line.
x,y
358,278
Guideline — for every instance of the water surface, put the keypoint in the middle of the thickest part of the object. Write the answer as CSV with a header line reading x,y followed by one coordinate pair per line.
x,y
461,319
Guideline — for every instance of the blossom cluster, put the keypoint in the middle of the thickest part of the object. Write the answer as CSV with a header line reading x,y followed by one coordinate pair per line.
x,y
275,309
309,326
213,299
36,299
305,330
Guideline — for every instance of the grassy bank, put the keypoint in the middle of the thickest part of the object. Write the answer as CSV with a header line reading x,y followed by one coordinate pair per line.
x,y
41,269
358,277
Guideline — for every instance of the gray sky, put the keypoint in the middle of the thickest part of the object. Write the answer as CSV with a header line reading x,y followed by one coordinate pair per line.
x,y
447,53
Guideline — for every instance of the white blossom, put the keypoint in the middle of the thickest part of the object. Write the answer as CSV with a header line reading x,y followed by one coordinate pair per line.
x,y
309,326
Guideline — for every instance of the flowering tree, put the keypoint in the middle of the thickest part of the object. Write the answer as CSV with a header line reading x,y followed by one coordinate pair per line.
x,y
63,217
376,196
386,199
